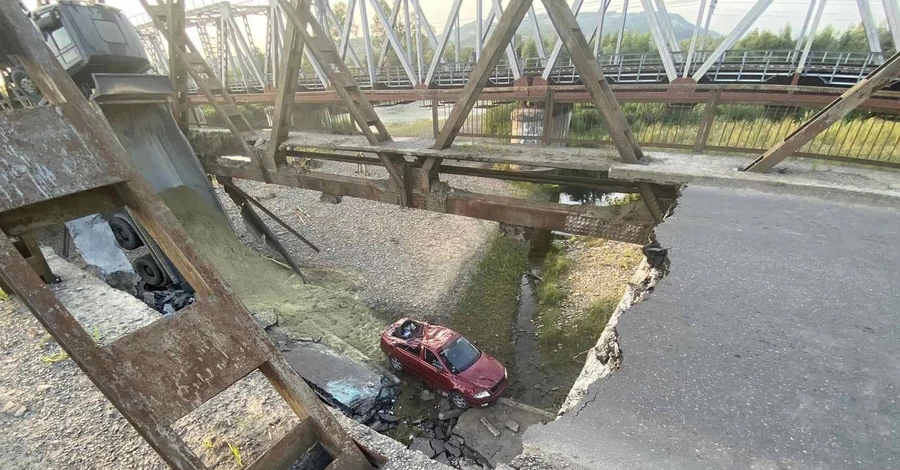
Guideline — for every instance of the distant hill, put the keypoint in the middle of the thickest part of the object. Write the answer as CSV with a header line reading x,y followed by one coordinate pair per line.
x,y
636,22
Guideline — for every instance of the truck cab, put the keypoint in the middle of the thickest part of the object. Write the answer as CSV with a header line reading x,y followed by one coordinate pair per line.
x,y
86,39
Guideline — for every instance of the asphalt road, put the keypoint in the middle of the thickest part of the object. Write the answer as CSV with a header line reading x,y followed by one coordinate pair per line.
x,y
774,342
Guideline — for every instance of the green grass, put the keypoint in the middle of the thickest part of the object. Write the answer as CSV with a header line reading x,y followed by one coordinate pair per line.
x,y
421,128
486,312
3,296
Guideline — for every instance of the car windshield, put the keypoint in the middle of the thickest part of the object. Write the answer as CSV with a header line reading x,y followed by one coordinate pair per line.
x,y
460,355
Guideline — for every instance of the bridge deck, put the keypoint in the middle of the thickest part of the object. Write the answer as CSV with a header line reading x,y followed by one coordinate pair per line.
x,y
662,167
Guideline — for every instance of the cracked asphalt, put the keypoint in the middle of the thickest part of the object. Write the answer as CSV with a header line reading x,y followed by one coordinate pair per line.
x,y
772,343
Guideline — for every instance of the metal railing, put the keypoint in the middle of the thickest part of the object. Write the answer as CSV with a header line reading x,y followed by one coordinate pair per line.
x,y
861,137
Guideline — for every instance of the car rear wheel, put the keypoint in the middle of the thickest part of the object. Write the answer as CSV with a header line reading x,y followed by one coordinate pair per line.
x,y
459,400
395,364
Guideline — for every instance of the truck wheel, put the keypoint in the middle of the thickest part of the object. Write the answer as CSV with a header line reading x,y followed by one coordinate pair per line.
x,y
150,271
395,364
25,84
459,400
126,236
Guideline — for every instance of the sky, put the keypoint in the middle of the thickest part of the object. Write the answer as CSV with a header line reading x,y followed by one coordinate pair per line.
x,y
839,13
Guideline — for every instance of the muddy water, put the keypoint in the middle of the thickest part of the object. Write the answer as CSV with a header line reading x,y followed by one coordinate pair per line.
x,y
529,379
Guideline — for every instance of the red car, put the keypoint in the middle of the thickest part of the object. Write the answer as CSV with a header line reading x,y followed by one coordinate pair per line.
x,y
446,360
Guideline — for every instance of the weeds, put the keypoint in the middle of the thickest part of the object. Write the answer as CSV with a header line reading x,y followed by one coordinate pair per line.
x,y
486,312
58,356
3,296
550,294
236,453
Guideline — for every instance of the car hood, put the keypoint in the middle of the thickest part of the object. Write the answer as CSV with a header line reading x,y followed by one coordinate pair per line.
x,y
485,373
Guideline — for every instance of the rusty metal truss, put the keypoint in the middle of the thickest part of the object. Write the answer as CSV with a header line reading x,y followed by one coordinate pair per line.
x,y
161,372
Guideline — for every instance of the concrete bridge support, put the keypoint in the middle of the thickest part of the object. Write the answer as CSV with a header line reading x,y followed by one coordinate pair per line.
x,y
535,126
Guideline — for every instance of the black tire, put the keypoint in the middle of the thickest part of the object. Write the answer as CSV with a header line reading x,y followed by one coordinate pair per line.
x,y
395,364
150,271
25,84
126,235
458,400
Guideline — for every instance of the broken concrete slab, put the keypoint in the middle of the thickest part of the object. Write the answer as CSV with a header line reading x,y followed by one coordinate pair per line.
x,y
437,446
450,414
490,426
452,450
398,457
423,445
506,444
347,384
771,343
512,426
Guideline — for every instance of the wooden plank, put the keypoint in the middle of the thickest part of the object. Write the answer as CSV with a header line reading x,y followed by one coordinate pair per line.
x,y
829,115
288,449
490,56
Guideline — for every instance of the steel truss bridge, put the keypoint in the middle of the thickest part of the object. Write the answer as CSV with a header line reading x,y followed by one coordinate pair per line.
x,y
230,35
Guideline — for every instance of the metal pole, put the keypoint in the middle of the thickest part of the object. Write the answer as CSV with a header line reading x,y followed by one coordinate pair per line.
x,y
666,25
370,59
659,37
419,60
709,15
601,17
558,46
892,12
458,44
478,32
802,35
445,37
746,22
408,27
621,30
690,55
810,37
865,14
539,39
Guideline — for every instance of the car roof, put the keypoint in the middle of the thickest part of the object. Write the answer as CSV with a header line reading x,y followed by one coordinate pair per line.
x,y
435,337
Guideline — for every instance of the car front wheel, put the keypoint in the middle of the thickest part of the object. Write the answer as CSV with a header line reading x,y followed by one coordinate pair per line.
x,y
395,364
459,400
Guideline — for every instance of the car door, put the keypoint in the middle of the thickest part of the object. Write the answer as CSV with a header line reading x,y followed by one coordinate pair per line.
x,y
436,371
409,356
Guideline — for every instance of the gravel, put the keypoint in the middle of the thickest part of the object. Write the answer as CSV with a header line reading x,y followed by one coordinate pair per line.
x,y
68,423
402,261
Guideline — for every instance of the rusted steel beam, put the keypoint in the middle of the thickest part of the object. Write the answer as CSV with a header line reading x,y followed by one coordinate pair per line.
x,y
624,223
56,211
490,56
566,25
709,115
181,103
324,51
830,114
233,187
173,365
782,95
288,70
